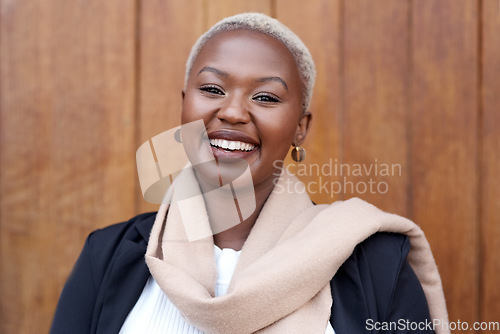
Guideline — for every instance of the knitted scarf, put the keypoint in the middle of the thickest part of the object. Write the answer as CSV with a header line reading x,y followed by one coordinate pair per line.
x,y
281,281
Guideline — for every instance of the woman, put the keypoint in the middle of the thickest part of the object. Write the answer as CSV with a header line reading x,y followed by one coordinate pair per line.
x,y
286,266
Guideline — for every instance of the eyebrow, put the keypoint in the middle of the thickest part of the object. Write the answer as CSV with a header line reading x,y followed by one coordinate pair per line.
x,y
276,79
224,74
213,70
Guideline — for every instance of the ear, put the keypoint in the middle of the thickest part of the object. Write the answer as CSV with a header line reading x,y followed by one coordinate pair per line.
x,y
302,128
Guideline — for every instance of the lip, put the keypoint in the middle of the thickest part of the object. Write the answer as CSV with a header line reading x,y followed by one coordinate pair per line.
x,y
231,135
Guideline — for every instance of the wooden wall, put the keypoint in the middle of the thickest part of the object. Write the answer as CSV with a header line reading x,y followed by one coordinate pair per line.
x,y
414,84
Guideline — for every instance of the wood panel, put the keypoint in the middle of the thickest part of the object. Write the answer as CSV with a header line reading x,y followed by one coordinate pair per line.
x,y
218,9
66,145
375,95
490,168
83,84
444,143
168,29
319,28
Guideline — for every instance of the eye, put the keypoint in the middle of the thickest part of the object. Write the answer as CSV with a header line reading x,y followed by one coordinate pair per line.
x,y
212,89
266,98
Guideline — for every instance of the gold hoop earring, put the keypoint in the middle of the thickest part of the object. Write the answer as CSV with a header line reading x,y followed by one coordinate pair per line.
x,y
298,154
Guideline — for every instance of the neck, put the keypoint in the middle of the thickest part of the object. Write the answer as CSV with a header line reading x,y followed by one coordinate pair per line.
x,y
236,236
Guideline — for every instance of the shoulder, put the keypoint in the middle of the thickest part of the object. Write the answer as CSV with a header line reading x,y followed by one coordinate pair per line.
x,y
95,274
376,283
381,258
377,262
138,226
385,249
102,244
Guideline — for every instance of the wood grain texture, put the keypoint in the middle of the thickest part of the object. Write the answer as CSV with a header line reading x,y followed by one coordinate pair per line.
x,y
444,143
218,9
319,28
84,83
375,95
67,144
168,29
490,167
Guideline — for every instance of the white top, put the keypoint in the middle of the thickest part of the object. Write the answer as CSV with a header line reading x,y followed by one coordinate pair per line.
x,y
155,314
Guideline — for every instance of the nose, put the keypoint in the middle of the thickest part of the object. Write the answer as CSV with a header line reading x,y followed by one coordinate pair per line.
x,y
234,110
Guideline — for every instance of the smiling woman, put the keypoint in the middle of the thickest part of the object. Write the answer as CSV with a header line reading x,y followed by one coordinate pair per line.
x,y
259,104
288,266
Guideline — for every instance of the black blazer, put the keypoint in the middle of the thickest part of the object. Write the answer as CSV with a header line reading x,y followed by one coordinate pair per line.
x,y
373,288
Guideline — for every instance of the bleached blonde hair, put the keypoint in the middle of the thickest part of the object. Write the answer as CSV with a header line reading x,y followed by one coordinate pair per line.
x,y
269,26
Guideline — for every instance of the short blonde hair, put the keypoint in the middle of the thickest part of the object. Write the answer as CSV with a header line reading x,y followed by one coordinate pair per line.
x,y
269,26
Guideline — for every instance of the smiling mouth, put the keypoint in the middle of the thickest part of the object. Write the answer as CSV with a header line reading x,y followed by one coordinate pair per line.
x,y
231,145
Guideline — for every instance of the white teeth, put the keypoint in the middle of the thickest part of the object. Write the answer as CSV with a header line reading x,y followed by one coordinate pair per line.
x,y
231,145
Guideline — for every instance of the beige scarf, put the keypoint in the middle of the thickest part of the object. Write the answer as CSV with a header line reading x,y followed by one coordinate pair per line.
x,y
281,282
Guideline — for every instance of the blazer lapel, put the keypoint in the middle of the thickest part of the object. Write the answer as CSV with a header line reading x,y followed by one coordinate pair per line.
x,y
127,276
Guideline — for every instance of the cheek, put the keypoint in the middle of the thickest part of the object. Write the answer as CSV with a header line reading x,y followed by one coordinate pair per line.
x,y
278,133
192,110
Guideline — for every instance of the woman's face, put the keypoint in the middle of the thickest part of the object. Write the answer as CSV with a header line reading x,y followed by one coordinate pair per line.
x,y
246,87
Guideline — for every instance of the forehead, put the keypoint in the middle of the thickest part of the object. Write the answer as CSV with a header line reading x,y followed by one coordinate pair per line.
x,y
247,50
